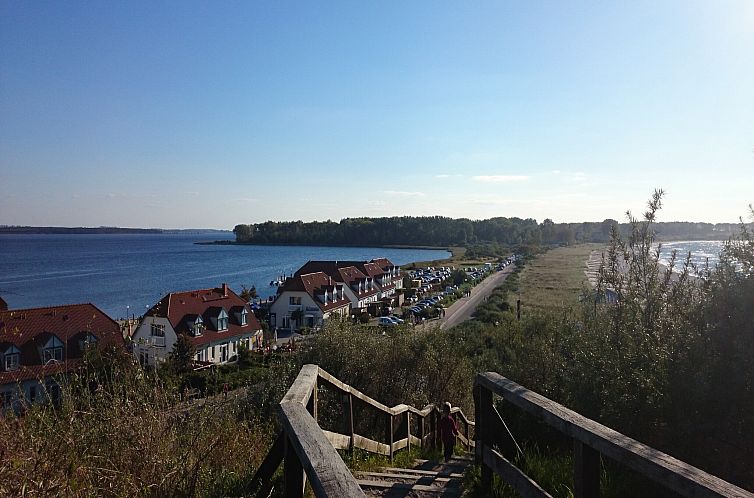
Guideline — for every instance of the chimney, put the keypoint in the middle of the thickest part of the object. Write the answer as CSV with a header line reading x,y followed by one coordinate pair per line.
x,y
225,290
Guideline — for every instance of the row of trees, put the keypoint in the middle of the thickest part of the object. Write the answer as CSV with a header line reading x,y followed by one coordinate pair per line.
x,y
443,231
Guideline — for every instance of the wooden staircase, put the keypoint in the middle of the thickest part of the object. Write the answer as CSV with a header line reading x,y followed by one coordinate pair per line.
x,y
424,479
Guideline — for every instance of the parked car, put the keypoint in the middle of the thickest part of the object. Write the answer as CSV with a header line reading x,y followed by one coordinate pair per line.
x,y
386,321
396,319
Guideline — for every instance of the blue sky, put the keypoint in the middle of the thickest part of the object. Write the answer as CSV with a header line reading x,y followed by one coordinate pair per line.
x,y
205,114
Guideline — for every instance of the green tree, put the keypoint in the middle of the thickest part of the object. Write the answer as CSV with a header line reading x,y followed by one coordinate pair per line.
x,y
182,355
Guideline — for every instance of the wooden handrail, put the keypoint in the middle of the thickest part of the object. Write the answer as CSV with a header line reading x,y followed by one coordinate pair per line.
x,y
590,440
310,452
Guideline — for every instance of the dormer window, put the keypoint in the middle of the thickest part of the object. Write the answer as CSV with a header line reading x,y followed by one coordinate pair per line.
x,y
196,325
87,342
243,316
11,359
222,321
53,350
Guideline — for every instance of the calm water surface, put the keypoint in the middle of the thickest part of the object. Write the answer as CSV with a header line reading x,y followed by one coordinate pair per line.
x,y
128,273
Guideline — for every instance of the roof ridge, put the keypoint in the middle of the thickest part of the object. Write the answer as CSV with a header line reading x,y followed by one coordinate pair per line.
x,y
36,308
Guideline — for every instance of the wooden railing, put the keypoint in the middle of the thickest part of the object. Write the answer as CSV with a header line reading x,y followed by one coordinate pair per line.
x,y
310,452
496,447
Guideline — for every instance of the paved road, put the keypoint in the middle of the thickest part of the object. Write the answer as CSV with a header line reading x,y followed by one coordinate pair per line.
x,y
461,310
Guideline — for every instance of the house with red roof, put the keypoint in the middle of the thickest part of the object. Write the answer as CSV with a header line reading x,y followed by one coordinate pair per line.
x,y
216,321
37,345
308,300
360,289
385,274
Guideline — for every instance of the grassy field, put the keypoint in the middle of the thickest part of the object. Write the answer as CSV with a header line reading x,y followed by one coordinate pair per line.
x,y
554,279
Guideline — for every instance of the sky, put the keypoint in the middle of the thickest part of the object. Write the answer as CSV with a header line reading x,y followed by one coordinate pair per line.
x,y
208,114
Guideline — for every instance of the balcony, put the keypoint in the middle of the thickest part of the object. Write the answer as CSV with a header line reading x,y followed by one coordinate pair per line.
x,y
157,341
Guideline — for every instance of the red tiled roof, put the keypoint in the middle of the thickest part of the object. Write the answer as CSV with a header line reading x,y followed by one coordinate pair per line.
x,y
384,263
341,271
314,284
177,307
28,329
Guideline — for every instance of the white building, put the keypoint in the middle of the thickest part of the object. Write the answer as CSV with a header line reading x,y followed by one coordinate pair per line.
x,y
216,321
360,289
308,300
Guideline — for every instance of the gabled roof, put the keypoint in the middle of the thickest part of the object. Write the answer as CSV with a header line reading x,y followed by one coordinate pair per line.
x,y
384,263
178,307
28,329
3,304
314,284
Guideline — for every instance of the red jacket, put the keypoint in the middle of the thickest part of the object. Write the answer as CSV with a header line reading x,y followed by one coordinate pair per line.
x,y
448,430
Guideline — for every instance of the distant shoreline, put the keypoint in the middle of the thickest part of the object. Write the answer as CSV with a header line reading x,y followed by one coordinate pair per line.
x,y
293,244
23,230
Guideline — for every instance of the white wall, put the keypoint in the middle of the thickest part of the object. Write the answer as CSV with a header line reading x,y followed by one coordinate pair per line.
x,y
142,340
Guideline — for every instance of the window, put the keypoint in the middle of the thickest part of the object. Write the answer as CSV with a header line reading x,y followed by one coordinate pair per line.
x,y
11,361
243,316
51,354
197,326
143,358
12,358
32,394
222,321
157,330
294,301
87,342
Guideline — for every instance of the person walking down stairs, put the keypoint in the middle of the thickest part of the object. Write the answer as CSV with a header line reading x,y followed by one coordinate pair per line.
x,y
448,431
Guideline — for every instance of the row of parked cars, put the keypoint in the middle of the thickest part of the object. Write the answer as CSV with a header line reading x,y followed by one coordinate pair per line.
x,y
430,276
425,303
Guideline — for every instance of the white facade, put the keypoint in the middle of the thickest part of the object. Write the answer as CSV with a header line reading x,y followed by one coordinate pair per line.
x,y
155,339
289,302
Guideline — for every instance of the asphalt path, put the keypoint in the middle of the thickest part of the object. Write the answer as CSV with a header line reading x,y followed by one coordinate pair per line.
x,y
461,310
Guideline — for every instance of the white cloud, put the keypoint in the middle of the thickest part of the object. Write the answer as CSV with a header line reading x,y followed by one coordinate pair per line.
x,y
556,172
401,193
246,199
500,178
448,176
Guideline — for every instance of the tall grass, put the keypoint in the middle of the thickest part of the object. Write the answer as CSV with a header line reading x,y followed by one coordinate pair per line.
x,y
119,433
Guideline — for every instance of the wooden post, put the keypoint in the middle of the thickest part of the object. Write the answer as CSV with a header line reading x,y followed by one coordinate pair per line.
x,y
586,471
389,434
408,430
432,429
293,473
482,411
311,406
466,434
350,430
421,431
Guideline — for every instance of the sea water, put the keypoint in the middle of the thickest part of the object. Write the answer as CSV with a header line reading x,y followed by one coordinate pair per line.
x,y
127,273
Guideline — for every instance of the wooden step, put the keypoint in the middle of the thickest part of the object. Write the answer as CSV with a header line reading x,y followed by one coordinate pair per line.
x,y
400,489
454,475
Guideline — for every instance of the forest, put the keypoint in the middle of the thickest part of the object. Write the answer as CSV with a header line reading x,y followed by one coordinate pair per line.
x,y
442,231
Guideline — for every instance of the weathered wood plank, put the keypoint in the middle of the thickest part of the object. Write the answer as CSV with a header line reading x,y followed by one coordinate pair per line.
x,y
586,471
654,464
263,475
338,441
405,487
400,444
303,386
370,445
511,474
415,440
293,474
327,472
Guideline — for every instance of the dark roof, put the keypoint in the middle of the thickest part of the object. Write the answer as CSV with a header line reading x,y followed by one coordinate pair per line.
x,y
180,307
27,329
3,304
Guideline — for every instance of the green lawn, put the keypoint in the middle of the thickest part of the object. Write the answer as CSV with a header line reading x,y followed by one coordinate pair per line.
x,y
554,279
